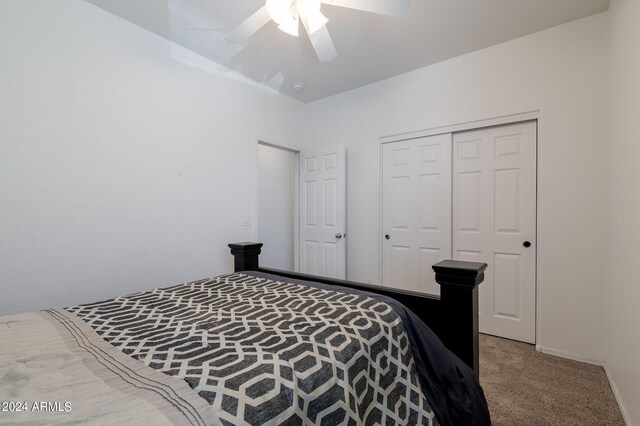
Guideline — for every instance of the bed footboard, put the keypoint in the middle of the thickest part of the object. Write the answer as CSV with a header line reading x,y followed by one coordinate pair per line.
x,y
453,316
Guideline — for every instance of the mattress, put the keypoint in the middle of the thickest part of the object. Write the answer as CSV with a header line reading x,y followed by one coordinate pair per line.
x,y
236,349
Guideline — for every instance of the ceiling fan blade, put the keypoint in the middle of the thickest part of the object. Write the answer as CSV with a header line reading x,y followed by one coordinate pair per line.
x,y
321,42
249,26
383,7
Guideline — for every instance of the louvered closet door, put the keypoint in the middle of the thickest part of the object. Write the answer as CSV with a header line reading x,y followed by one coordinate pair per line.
x,y
416,200
494,221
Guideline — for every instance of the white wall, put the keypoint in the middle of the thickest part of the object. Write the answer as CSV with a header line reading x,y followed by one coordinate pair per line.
x,y
276,186
623,278
122,168
563,73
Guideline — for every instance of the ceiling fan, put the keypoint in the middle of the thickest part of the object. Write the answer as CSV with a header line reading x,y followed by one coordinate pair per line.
x,y
289,13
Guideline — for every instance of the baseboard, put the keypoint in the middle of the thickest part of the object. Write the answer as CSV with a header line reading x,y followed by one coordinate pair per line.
x,y
567,355
625,415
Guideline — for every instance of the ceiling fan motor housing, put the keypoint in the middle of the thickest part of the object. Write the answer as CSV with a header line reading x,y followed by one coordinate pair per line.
x,y
288,14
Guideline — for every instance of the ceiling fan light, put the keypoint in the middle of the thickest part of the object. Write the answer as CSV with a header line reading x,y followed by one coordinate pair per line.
x,y
308,8
315,22
290,25
279,10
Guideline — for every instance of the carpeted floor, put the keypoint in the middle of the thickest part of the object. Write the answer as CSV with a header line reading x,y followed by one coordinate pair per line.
x,y
526,387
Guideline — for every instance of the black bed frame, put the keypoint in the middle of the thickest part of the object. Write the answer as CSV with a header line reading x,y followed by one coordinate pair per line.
x,y
453,316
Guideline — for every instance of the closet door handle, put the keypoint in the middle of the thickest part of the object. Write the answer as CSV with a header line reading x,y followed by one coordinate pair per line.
x,y
387,236
526,244
338,236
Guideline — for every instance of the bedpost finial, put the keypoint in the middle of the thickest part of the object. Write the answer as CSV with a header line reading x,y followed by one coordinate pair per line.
x,y
245,255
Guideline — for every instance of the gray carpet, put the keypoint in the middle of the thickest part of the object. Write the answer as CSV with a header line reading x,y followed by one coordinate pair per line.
x,y
526,387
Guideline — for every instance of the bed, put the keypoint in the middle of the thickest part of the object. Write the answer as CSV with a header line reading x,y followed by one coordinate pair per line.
x,y
257,346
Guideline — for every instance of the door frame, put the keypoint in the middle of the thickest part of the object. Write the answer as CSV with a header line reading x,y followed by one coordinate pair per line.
x,y
260,140
533,115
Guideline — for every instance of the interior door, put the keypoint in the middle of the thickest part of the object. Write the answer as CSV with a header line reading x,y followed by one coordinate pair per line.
x,y
323,211
416,216
494,221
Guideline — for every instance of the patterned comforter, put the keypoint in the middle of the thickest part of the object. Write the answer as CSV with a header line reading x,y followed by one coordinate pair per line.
x,y
260,351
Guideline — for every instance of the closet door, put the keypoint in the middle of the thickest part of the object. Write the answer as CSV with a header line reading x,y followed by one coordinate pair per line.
x,y
416,212
494,221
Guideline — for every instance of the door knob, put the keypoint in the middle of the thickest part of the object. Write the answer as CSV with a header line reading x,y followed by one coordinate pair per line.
x,y
526,244
388,237
338,236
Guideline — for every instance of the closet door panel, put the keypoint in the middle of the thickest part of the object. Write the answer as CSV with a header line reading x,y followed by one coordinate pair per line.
x,y
416,211
494,221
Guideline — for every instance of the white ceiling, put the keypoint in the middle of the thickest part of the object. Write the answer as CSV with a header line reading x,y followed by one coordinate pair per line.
x,y
370,47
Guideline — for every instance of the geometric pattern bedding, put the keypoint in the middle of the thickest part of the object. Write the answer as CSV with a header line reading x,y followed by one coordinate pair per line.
x,y
261,351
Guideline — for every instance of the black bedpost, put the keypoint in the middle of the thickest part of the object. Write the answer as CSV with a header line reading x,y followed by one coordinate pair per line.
x,y
459,297
245,256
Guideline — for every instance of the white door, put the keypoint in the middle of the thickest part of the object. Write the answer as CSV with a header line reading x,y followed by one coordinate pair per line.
x,y
322,211
416,216
494,221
